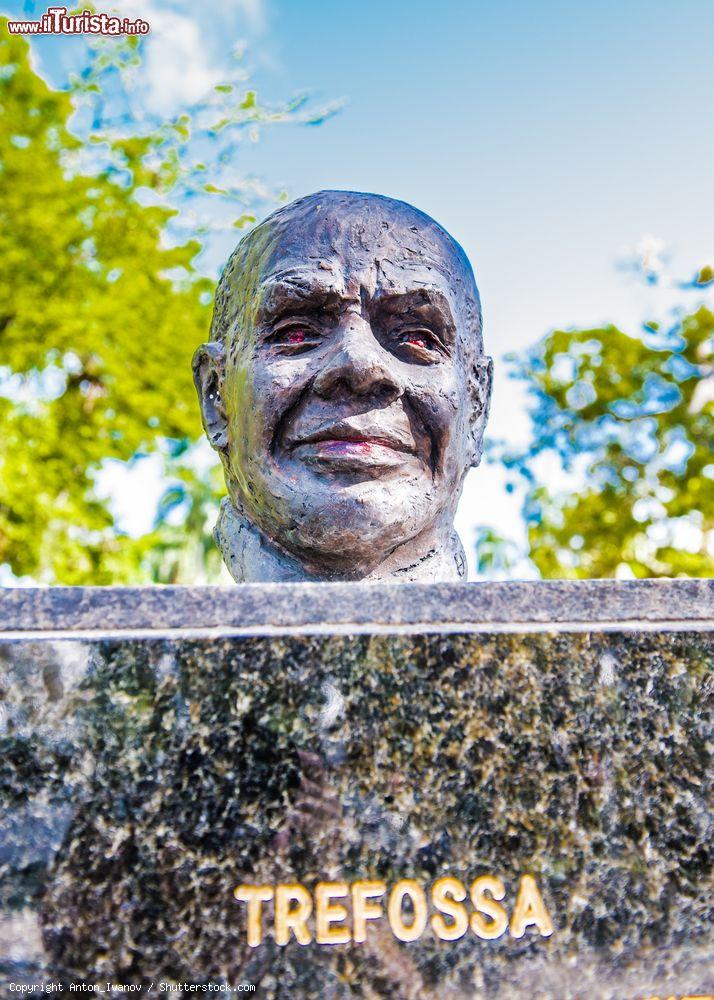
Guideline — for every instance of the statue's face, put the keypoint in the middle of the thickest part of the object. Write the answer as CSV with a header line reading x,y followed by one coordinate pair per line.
x,y
348,394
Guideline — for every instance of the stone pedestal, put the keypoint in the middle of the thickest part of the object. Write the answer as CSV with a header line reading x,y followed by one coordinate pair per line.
x,y
436,791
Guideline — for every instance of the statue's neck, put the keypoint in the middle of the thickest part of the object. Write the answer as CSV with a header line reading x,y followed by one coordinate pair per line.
x,y
253,558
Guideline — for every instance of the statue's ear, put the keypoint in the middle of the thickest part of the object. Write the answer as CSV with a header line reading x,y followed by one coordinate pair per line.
x,y
208,373
480,385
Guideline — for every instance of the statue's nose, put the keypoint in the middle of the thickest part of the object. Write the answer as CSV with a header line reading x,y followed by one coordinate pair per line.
x,y
358,365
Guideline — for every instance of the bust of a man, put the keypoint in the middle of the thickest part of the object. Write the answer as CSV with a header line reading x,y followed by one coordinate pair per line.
x,y
346,391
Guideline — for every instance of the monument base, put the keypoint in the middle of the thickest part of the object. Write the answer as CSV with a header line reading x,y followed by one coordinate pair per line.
x,y
492,807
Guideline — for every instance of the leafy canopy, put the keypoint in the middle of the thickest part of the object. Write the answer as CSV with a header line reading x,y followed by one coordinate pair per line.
x,y
631,421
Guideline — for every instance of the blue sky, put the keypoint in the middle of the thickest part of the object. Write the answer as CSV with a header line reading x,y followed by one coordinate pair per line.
x,y
548,138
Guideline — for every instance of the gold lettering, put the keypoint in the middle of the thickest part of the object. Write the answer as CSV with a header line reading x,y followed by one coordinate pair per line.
x,y
530,909
487,905
326,914
362,911
446,895
449,917
294,918
254,896
407,932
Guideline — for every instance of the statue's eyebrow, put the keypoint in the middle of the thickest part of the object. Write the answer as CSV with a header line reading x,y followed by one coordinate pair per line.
x,y
426,303
295,293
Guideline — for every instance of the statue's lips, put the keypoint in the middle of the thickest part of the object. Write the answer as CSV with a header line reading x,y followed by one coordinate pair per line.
x,y
339,443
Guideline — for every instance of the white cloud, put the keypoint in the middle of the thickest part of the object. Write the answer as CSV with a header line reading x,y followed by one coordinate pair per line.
x,y
188,47
178,68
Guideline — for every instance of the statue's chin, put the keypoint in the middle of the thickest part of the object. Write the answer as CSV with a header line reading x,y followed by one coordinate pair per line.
x,y
361,525
356,550
324,549
331,523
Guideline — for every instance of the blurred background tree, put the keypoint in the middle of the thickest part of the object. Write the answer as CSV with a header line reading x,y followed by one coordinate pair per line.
x,y
627,423
102,303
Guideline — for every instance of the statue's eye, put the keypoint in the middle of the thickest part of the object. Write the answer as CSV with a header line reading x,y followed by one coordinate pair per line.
x,y
293,336
422,340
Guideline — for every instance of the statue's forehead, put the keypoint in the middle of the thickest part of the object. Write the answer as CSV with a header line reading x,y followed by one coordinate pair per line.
x,y
348,255
358,238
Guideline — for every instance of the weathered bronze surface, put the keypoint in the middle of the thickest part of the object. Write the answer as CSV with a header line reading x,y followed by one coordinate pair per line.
x,y
346,390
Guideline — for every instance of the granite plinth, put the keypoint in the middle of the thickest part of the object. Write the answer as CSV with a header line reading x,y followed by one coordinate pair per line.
x,y
144,777
334,607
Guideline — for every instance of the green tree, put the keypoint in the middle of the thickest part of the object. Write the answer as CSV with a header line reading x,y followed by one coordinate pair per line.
x,y
631,421
100,310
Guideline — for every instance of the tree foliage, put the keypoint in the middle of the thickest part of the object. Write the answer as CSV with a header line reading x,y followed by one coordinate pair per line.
x,y
630,420
101,307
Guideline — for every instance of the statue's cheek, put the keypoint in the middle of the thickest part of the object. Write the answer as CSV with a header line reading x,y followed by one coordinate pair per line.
x,y
274,390
440,394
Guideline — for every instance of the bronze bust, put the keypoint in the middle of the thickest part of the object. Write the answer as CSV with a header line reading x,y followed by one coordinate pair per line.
x,y
346,390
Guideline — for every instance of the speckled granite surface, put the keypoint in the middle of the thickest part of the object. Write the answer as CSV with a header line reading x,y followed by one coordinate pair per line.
x,y
143,780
